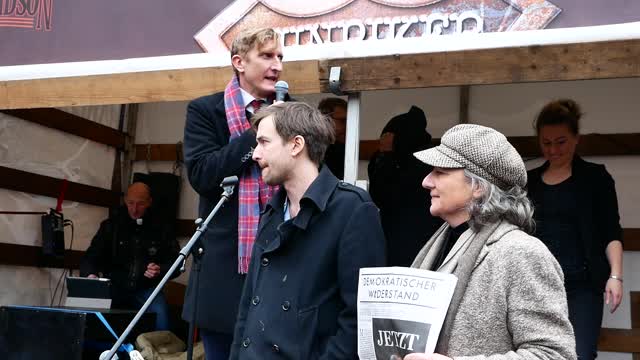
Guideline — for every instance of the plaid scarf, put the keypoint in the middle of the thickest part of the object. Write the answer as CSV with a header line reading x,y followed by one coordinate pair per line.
x,y
253,193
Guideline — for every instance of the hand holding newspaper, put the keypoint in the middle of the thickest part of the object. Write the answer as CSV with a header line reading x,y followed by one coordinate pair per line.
x,y
401,311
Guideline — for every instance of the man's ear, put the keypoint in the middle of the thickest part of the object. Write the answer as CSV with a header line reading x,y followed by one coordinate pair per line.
x,y
298,145
237,62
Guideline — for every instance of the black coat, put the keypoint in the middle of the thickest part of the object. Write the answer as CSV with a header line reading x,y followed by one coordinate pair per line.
x,y
121,251
209,157
395,184
299,301
599,218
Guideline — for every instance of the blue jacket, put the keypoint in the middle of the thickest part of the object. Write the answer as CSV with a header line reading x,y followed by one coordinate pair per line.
x,y
299,299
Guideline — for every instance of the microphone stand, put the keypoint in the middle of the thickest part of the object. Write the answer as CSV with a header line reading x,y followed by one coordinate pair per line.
x,y
228,185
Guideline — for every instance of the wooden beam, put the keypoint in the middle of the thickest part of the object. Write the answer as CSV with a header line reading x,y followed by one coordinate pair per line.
x,y
71,124
185,227
131,118
589,145
465,97
619,340
140,87
527,146
596,60
19,180
24,255
631,239
580,61
158,152
635,309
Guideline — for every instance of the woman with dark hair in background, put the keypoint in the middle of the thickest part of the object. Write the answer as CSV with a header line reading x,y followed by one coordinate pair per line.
x,y
576,213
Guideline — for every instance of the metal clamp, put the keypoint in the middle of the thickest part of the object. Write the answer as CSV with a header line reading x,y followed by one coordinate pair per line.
x,y
334,81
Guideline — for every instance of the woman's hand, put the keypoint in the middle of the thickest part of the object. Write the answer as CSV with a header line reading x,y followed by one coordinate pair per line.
x,y
417,356
613,294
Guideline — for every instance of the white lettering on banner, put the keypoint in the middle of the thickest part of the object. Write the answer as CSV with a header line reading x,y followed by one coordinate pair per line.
x,y
385,28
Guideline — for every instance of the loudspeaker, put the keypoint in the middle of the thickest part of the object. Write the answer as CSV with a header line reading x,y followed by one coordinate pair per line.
x,y
53,234
33,333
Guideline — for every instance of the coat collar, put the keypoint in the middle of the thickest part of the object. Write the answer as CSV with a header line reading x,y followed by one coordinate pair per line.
x,y
315,197
577,164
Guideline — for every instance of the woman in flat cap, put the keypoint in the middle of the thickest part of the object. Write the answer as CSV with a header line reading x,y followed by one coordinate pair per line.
x,y
509,302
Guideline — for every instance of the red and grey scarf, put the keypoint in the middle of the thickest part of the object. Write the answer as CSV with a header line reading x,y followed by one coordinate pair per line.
x,y
253,193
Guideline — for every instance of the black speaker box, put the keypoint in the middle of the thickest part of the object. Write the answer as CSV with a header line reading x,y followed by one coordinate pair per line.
x,y
58,334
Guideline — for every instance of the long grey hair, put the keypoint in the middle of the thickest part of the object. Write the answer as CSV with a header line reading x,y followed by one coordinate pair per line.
x,y
496,204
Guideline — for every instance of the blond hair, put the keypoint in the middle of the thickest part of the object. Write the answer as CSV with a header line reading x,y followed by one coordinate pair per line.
x,y
251,38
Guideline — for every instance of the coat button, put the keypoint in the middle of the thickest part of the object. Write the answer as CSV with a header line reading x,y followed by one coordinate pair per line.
x,y
265,261
276,348
246,342
286,305
256,300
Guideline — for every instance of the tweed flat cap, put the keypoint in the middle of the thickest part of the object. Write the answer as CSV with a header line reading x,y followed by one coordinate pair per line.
x,y
481,150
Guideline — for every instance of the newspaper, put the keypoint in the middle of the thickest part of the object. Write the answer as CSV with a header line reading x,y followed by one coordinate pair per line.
x,y
401,311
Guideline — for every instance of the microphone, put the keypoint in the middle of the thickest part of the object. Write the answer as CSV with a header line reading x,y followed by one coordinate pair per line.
x,y
139,221
230,180
282,88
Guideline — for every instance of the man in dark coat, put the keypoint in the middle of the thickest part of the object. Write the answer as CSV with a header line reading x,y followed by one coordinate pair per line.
x,y
395,178
299,300
214,148
336,109
135,251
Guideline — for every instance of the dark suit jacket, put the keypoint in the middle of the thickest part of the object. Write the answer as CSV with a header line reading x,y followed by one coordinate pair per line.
x,y
121,251
209,157
599,218
299,301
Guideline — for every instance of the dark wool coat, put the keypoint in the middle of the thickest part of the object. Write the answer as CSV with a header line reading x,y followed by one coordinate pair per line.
x,y
210,157
299,301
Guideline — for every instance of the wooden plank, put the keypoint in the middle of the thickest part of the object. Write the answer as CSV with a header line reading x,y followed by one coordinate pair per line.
x,y
71,124
157,152
631,239
140,87
174,292
619,340
185,227
580,61
589,145
465,98
170,152
19,180
596,60
24,255
635,309
527,146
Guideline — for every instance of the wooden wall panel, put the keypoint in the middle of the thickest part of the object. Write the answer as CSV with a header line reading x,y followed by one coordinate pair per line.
x,y
140,87
24,255
71,124
527,146
619,340
580,61
19,180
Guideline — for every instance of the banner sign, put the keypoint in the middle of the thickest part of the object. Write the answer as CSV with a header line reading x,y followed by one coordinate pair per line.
x,y
54,31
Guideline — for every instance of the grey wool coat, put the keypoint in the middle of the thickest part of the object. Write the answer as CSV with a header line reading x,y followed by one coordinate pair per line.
x,y
509,302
